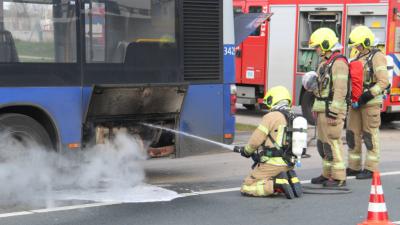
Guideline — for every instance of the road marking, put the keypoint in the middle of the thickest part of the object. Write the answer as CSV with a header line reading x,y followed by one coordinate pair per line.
x,y
397,222
65,208
210,192
22,213
91,205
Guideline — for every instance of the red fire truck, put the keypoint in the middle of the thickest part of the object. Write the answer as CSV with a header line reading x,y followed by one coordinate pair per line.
x,y
277,52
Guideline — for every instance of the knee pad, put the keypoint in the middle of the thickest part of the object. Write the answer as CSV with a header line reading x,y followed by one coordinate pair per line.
x,y
320,148
368,141
350,139
328,152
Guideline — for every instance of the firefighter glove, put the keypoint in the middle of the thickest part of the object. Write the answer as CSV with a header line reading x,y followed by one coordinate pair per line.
x,y
355,105
255,157
240,149
365,97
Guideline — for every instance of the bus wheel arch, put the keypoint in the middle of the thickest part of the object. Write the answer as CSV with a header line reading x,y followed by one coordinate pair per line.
x,y
39,116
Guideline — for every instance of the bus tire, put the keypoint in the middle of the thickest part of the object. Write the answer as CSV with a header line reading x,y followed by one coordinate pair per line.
x,y
307,101
25,129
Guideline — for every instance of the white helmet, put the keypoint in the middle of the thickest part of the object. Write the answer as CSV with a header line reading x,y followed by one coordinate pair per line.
x,y
309,81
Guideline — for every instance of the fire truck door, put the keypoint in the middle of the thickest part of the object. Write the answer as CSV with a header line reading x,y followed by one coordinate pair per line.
x,y
238,8
253,50
281,47
310,19
372,15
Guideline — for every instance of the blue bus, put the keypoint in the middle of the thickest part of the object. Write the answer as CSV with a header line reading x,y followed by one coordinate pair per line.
x,y
73,70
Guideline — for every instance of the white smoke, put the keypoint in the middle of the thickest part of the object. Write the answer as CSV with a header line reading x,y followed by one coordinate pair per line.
x,y
30,175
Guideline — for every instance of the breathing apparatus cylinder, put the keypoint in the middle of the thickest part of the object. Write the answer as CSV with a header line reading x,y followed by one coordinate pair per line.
x,y
299,138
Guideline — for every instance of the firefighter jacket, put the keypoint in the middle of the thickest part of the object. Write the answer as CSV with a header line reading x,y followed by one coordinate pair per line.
x,y
377,80
332,88
272,124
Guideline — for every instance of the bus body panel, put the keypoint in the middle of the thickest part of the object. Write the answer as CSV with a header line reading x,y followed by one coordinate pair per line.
x,y
163,49
201,115
229,94
228,90
62,104
229,117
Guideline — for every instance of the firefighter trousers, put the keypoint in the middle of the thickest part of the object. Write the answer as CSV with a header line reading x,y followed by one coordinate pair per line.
x,y
260,182
363,123
330,148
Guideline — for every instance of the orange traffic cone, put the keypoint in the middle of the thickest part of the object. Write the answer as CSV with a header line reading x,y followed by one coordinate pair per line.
x,y
377,212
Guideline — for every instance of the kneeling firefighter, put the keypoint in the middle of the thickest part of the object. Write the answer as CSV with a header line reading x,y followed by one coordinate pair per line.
x,y
273,173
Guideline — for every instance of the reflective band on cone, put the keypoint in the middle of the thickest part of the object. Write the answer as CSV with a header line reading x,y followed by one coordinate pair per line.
x,y
377,211
377,207
377,190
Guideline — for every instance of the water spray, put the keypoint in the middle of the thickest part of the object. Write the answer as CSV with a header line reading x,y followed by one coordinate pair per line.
x,y
230,147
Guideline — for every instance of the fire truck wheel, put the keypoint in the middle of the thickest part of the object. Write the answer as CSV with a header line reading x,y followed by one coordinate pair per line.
x,y
250,106
388,117
307,101
25,130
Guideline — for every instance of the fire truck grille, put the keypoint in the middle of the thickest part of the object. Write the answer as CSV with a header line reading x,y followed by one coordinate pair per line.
x,y
202,40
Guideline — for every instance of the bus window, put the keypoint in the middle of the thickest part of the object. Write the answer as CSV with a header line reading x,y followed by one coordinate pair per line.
x,y
256,9
111,26
39,31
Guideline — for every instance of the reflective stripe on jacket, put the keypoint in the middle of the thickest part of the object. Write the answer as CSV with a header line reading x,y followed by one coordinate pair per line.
x,y
274,124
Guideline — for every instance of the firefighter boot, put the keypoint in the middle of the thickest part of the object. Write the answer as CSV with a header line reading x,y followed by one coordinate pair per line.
x,y
334,183
319,180
295,183
281,185
351,172
365,174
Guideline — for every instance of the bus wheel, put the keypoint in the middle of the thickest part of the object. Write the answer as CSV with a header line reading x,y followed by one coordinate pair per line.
x,y
251,107
24,130
307,101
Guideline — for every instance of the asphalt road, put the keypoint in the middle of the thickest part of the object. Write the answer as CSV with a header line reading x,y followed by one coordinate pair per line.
x,y
207,188
230,208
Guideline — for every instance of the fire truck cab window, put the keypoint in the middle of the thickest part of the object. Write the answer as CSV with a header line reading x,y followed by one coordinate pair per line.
x,y
38,31
309,21
256,9
113,27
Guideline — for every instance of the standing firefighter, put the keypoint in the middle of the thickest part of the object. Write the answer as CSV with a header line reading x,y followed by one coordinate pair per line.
x,y
364,117
273,172
330,106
